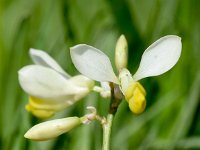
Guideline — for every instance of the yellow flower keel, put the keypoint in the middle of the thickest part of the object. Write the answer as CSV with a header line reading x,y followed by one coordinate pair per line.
x,y
41,108
137,103
131,88
39,112
135,96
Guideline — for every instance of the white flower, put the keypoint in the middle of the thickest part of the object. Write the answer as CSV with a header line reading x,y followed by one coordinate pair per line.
x,y
158,58
49,86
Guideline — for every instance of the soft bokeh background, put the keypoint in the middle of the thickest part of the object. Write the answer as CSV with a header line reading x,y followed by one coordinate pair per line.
x,y
172,117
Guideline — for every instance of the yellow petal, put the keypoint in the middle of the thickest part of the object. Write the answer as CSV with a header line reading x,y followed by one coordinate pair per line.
x,y
131,88
42,108
38,103
137,103
141,88
39,112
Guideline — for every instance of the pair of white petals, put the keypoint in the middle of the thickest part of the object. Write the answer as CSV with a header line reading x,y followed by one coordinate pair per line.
x,y
48,81
158,58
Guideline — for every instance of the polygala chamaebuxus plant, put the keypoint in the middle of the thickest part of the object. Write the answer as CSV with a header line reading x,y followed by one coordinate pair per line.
x,y
51,89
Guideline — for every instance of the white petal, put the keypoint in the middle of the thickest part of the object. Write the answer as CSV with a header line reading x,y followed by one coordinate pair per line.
x,y
51,129
106,92
82,81
42,58
46,83
159,57
92,63
105,86
125,79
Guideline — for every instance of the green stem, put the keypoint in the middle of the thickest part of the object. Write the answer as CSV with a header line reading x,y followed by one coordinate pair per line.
x,y
107,132
116,98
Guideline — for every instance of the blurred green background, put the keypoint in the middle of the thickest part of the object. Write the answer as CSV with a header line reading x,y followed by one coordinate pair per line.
x,y
172,117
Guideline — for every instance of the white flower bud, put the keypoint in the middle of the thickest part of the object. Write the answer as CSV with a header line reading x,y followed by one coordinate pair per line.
x,y
51,129
121,53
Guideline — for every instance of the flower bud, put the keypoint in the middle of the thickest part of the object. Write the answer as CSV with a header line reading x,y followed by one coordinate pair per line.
x,y
121,53
51,129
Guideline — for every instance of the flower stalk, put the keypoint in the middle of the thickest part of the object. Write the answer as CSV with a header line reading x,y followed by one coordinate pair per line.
x,y
107,127
116,98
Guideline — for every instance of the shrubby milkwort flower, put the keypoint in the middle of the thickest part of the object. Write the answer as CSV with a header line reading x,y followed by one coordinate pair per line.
x,y
158,58
51,89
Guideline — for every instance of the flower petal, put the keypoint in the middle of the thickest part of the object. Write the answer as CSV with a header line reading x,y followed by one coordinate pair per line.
x,y
105,86
42,58
159,57
47,84
106,92
125,78
92,63
82,81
